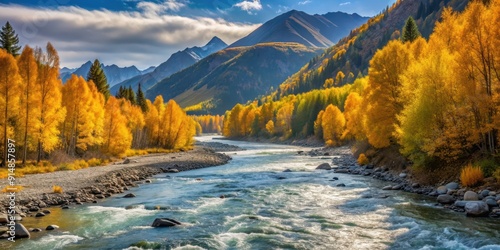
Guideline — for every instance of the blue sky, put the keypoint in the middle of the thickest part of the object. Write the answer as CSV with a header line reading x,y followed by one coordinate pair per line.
x,y
145,33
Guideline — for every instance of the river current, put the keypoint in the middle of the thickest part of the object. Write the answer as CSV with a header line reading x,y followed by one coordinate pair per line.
x,y
264,208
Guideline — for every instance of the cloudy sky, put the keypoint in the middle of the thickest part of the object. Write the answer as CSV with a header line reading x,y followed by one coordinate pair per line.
x,y
146,33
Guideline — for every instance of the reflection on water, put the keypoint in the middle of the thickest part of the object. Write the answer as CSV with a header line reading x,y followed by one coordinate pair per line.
x,y
264,208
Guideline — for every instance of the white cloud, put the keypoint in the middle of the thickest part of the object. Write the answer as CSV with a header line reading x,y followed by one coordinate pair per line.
x,y
154,8
249,6
305,2
346,3
141,38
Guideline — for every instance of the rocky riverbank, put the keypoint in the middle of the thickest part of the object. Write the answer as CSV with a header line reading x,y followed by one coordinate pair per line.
x,y
481,201
91,185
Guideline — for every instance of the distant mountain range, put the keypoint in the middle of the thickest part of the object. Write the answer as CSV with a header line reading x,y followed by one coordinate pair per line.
x,y
177,61
256,63
114,74
300,27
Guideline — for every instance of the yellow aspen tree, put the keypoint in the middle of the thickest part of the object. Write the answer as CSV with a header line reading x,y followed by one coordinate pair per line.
x,y
152,121
118,137
135,120
284,119
318,129
332,123
353,114
270,127
9,98
382,100
29,95
51,111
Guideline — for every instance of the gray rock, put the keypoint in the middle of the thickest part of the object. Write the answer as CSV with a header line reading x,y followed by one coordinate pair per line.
x,y
324,166
415,185
21,231
452,186
46,211
445,199
387,188
147,181
335,178
471,196
341,171
287,171
35,230
442,190
165,222
491,202
485,193
460,203
126,161
492,193
129,195
52,227
172,170
403,175
341,185
39,214
397,187
476,208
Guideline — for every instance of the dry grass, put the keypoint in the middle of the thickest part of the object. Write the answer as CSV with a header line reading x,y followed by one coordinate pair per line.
x,y
471,175
363,160
12,189
57,189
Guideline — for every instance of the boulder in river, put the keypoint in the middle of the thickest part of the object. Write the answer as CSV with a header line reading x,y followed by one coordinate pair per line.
x,y
341,171
324,166
40,214
35,230
129,195
172,170
402,175
452,186
387,188
460,204
21,231
52,227
165,222
485,193
471,196
442,190
287,170
476,208
491,202
341,185
445,199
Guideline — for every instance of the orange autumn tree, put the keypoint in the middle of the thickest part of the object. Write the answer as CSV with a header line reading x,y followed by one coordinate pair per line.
x,y
81,128
29,94
117,135
9,98
332,124
383,93
51,113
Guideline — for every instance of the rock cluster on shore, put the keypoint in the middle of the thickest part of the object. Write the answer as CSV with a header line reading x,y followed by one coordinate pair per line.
x,y
484,202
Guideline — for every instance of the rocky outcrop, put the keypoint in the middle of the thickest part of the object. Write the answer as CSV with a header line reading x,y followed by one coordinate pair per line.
x,y
165,222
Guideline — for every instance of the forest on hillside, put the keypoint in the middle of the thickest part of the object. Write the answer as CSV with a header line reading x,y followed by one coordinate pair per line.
x,y
435,100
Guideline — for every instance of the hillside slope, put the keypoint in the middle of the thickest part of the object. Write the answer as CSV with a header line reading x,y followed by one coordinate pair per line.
x,y
233,75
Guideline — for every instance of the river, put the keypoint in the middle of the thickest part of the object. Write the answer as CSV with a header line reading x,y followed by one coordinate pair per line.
x,y
305,210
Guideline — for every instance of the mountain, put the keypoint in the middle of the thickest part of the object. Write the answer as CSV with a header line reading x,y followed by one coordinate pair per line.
x,y
148,70
233,75
177,61
114,74
300,27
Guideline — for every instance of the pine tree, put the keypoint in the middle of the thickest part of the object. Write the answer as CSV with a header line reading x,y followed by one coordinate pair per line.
x,y
131,96
96,74
9,40
410,31
141,99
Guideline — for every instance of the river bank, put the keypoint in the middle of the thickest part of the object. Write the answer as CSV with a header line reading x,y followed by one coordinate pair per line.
x,y
480,201
93,185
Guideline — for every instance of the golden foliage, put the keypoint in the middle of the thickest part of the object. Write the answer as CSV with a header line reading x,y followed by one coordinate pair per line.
x,y
471,175
13,189
363,160
57,189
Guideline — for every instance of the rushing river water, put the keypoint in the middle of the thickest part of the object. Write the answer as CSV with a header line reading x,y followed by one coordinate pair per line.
x,y
261,211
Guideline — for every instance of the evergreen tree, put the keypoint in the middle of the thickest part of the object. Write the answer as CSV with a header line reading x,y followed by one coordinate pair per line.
x,y
410,31
9,40
131,95
96,74
120,93
141,99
